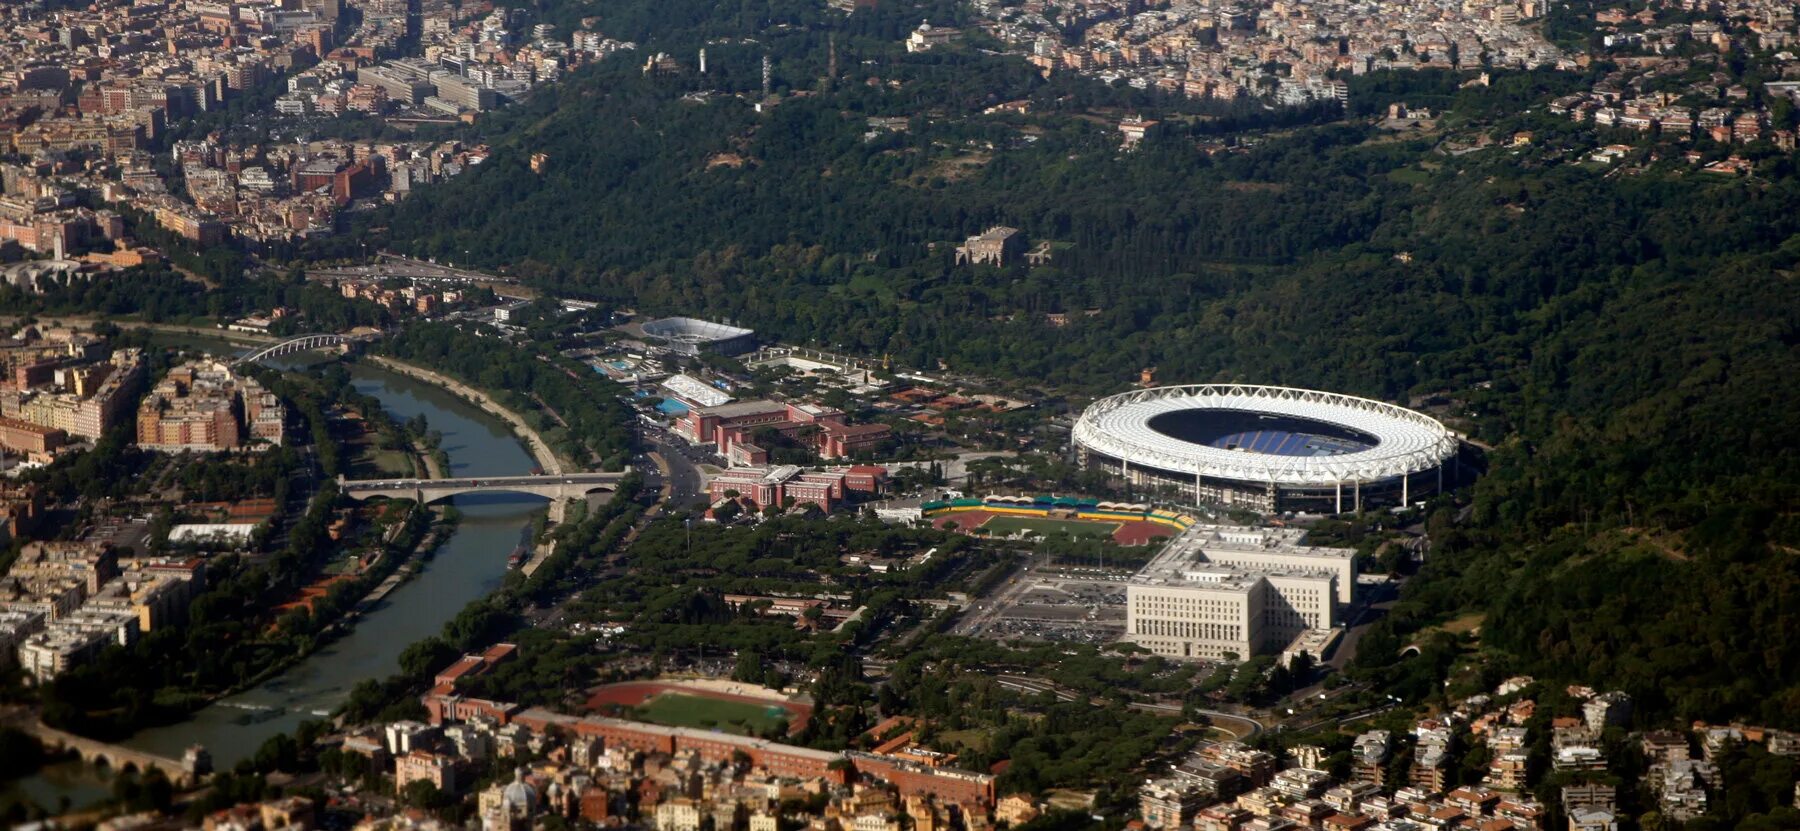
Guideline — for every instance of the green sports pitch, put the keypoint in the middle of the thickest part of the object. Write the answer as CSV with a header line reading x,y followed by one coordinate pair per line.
x,y
679,710
1003,526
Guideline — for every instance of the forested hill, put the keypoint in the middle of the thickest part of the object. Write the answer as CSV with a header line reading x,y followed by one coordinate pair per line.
x,y
1626,341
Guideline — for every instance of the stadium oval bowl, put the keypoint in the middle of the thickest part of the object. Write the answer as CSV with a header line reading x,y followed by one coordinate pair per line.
x,y
1267,448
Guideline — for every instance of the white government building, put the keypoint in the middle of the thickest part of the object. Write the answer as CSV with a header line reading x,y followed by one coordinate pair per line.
x,y
1219,589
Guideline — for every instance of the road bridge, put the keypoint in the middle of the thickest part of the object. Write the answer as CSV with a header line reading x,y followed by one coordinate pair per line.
x,y
549,486
303,343
307,343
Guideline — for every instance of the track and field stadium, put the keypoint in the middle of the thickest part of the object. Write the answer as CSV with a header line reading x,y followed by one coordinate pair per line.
x,y
686,705
1267,449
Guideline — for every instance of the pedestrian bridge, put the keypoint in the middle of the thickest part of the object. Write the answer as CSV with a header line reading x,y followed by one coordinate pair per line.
x,y
549,486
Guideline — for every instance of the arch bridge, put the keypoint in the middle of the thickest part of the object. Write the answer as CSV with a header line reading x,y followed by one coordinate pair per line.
x,y
116,757
549,486
303,343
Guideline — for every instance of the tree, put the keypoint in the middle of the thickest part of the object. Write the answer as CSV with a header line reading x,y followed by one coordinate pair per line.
x,y
424,657
279,752
423,794
20,753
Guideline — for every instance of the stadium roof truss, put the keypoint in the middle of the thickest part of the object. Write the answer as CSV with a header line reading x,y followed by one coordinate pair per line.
x,y
1407,442
693,330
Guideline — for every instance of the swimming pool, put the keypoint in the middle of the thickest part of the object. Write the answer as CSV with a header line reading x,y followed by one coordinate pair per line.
x,y
670,406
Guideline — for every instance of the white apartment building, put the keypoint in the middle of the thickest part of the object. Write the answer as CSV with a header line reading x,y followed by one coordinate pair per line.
x,y
74,640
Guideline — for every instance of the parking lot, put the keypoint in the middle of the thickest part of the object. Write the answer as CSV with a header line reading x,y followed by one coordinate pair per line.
x,y
1052,607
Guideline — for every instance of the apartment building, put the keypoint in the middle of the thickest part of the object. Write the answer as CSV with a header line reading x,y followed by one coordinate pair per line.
x,y
206,406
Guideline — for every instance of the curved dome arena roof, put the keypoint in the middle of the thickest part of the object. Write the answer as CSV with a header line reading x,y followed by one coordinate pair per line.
x,y
1365,440
692,330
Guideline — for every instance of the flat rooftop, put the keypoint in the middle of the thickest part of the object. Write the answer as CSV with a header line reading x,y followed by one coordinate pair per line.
x,y
742,408
1188,558
1246,539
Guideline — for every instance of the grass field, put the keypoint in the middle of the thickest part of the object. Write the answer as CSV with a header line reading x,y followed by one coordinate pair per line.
x,y
370,462
1002,526
977,739
678,710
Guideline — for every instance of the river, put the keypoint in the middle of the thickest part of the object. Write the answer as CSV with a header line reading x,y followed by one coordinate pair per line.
x,y
471,563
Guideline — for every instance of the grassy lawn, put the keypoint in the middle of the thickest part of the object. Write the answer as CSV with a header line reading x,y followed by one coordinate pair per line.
x,y
1002,526
679,710
373,463
974,739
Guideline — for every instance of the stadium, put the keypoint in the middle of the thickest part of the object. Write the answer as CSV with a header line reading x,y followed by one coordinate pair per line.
x,y
1267,449
690,336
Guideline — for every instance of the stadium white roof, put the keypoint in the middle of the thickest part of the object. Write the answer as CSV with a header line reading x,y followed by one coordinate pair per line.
x,y
693,330
1406,442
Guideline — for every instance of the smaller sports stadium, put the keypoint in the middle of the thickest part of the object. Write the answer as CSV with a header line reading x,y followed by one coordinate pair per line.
x,y
691,336
701,706
1017,516
1266,449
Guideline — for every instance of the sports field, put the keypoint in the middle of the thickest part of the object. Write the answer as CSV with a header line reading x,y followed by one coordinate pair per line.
x,y
684,706
682,710
1003,525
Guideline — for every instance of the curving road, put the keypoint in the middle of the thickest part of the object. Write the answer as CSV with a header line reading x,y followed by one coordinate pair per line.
x,y
1245,726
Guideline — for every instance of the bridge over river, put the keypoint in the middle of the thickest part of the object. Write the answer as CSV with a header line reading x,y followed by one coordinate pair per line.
x,y
304,343
549,486
116,757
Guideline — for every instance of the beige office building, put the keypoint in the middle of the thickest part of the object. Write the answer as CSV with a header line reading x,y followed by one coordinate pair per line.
x,y
1220,592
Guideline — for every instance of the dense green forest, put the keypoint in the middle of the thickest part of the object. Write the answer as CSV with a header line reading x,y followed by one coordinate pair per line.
x,y
1625,344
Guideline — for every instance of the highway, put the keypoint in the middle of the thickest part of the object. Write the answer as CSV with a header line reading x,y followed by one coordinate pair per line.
x,y
1244,726
687,482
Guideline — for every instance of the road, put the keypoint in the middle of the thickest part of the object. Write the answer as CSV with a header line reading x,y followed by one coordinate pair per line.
x,y
1349,719
1372,607
213,332
492,482
1239,726
686,481
389,266
670,462
1242,727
